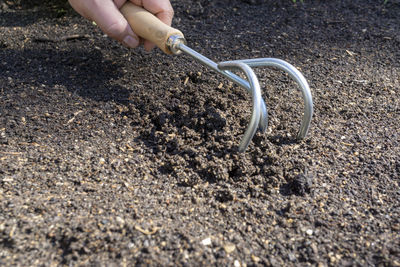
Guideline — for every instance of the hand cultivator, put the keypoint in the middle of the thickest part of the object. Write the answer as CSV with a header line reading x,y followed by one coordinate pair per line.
x,y
172,41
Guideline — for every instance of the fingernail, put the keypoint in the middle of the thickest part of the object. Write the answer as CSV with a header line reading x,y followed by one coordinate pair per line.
x,y
130,41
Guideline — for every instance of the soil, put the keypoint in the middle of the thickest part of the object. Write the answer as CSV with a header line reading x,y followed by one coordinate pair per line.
x,y
115,157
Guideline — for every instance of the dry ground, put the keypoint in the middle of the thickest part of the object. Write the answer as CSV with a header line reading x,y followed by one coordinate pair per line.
x,y
112,157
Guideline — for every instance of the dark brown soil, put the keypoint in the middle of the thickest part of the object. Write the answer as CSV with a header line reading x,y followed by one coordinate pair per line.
x,y
110,156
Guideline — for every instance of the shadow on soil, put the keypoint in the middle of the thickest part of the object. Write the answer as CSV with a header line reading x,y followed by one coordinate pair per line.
x,y
84,73
21,13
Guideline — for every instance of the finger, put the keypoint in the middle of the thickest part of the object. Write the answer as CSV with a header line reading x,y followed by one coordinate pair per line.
x,y
110,20
79,6
119,3
148,46
160,8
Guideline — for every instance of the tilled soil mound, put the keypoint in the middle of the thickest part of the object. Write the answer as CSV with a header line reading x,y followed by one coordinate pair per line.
x,y
110,156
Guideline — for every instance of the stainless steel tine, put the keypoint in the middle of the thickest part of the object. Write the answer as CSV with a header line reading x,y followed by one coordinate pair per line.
x,y
298,78
256,97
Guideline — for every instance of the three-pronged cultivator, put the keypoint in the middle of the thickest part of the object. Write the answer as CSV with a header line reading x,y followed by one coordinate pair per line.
x,y
171,41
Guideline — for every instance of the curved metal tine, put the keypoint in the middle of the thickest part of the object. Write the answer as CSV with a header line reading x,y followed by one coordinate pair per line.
x,y
301,81
256,97
263,123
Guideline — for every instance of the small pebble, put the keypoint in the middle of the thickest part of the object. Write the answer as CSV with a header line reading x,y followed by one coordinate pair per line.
x,y
119,220
206,242
255,258
229,247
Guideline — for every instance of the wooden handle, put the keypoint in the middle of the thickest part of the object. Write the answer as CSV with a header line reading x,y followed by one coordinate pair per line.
x,y
148,26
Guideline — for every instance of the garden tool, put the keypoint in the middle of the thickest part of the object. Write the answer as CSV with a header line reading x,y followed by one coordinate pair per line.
x,y
172,41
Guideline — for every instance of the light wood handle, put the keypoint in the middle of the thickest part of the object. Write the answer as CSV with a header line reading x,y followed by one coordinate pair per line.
x,y
148,26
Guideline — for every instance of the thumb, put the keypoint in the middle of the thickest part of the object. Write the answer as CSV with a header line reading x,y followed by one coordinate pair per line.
x,y
110,20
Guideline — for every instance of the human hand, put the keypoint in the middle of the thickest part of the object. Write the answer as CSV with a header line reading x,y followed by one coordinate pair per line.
x,y
107,16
